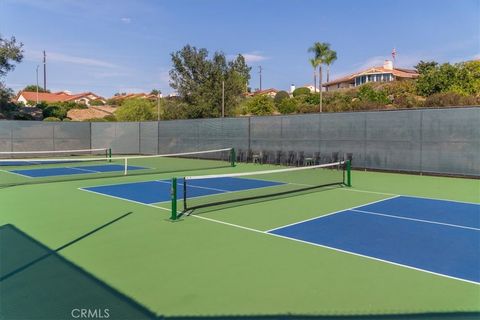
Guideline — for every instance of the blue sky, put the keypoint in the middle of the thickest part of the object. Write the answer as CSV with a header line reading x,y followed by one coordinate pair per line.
x,y
124,46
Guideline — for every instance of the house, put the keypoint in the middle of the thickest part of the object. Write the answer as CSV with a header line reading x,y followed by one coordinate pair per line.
x,y
30,98
310,87
384,73
271,92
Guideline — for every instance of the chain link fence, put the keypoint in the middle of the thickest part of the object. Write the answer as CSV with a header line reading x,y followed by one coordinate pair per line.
x,y
443,141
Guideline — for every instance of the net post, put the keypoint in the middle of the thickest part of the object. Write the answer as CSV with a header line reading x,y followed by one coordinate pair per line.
x,y
232,157
109,154
173,194
349,173
184,194
126,167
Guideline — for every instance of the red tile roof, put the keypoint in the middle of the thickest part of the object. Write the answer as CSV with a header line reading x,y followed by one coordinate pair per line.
x,y
54,96
397,72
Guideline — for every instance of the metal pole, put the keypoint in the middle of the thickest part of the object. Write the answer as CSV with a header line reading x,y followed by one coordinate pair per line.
x,y
223,99
44,71
37,83
260,72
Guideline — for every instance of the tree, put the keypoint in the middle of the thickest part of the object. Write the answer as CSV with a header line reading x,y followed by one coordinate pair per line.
x,y
301,91
136,110
198,80
10,51
259,105
288,106
424,66
280,96
33,88
330,58
320,50
156,92
314,62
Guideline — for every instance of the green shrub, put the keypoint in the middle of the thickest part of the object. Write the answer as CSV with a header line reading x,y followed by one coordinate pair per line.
x,y
450,99
54,112
367,94
259,105
22,116
280,96
53,119
95,120
110,117
136,110
97,102
300,91
336,101
287,106
66,119
462,78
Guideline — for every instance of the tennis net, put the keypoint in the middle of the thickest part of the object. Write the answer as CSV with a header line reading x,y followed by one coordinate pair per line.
x,y
197,192
18,171
50,154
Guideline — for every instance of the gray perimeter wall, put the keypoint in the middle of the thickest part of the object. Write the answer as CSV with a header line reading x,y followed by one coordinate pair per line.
x,y
445,141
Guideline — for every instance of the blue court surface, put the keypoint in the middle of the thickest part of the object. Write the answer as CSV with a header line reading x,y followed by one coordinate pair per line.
x,y
437,236
159,191
65,171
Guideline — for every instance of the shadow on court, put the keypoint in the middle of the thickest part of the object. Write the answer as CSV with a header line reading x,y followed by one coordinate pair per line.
x,y
38,283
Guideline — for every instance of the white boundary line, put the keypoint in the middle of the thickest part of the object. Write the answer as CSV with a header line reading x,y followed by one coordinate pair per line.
x,y
124,199
19,174
406,195
293,239
413,219
329,214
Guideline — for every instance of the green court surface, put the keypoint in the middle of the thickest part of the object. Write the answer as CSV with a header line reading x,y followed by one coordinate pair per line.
x,y
131,259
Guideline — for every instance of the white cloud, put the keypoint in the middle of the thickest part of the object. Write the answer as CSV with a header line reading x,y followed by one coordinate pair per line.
x,y
254,57
60,57
126,20
250,57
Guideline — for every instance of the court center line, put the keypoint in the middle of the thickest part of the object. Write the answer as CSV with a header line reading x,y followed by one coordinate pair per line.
x,y
331,213
81,169
413,219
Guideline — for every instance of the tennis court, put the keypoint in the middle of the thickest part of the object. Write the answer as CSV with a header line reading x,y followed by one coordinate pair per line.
x,y
246,240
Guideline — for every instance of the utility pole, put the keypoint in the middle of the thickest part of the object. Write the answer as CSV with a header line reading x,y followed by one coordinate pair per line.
x,y
37,84
223,99
44,71
158,106
260,72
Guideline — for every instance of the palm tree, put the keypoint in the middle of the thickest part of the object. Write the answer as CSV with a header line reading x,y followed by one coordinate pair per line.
x,y
314,62
320,49
329,58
